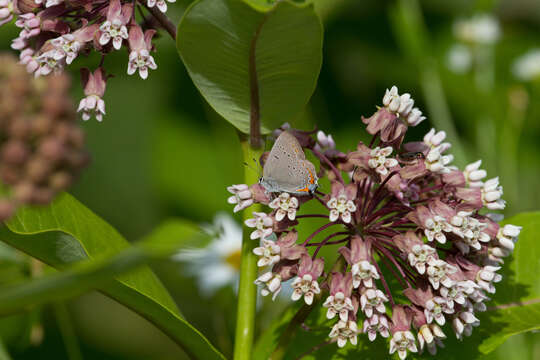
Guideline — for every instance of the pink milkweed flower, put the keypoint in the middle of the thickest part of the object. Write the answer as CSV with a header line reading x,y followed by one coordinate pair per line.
x,y
339,301
27,58
114,27
94,88
161,4
30,24
262,224
6,11
305,284
140,45
341,203
362,270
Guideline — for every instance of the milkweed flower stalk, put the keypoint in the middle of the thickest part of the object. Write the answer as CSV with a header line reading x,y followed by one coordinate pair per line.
x,y
54,33
403,207
41,146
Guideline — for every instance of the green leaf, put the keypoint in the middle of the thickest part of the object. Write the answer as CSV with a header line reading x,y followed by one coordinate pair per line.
x,y
246,56
515,309
4,355
69,232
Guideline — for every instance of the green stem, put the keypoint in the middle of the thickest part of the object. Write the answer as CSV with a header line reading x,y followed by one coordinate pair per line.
x,y
412,35
247,290
67,331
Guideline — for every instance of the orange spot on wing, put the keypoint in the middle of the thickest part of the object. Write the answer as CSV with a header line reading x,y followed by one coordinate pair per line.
x,y
311,177
306,189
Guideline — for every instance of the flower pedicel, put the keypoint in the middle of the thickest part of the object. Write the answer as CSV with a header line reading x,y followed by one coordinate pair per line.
x,y
423,219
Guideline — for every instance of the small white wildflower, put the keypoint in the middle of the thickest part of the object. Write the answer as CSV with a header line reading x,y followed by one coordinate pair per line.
x,y
527,66
269,253
379,160
343,331
438,271
420,256
271,284
364,272
401,342
242,196
376,324
479,29
491,195
305,286
373,299
262,223
341,207
474,175
286,205
338,304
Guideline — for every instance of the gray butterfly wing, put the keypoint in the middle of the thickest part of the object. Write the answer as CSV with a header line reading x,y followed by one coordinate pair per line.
x,y
283,169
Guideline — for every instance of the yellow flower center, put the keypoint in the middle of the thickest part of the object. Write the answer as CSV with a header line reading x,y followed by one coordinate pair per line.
x,y
233,259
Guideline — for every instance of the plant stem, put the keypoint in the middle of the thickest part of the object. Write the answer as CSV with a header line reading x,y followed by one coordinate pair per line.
x,y
163,20
247,290
67,331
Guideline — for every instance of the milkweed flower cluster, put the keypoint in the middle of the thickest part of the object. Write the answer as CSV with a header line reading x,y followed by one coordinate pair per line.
x,y
403,207
53,33
41,147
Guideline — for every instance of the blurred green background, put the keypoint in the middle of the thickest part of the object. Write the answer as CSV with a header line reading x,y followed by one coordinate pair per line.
x,y
162,152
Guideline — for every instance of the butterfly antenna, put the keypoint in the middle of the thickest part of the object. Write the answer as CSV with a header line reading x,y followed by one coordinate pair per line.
x,y
252,168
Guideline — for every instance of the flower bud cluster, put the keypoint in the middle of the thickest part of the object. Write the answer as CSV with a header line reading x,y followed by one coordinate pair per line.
x,y
403,207
53,33
41,147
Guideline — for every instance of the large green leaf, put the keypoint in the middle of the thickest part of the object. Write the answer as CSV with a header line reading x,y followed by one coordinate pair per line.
x,y
66,232
248,56
515,309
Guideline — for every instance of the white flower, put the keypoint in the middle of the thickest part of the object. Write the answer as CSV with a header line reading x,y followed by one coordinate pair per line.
x,y
161,4
508,235
263,225
434,309
474,175
364,272
216,265
436,162
376,324
487,276
431,336
379,161
324,142
286,205
48,62
66,46
491,195
438,271
271,284
527,66
373,299
338,304
343,331
341,207
459,59
479,29
470,230
305,286
92,105
402,105
269,253
6,11
402,341
463,323
459,292
435,228
242,196
114,30
49,3
415,117
420,256
141,60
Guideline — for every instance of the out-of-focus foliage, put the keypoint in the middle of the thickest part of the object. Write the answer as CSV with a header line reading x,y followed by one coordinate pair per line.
x,y
243,55
162,151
